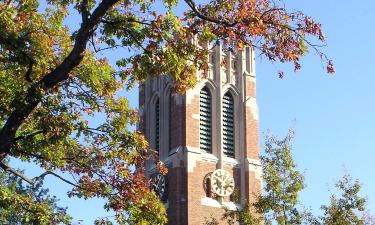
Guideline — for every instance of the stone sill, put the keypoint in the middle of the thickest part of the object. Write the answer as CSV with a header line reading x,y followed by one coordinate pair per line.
x,y
210,202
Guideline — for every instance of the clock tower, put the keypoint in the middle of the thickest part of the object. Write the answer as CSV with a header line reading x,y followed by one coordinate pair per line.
x,y
207,137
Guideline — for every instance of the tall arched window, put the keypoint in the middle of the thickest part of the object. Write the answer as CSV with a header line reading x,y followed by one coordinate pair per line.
x,y
170,121
157,125
205,118
228,125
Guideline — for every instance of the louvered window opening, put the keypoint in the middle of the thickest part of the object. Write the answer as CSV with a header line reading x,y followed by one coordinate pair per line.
x,y
205,120
157,126
228,125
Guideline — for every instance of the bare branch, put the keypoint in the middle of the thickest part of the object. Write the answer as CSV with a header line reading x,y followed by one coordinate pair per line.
x,y
7,168
58,176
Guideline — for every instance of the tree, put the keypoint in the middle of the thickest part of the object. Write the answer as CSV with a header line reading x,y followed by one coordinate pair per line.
x,y
283,182
279,203
53,80
344,209
26,204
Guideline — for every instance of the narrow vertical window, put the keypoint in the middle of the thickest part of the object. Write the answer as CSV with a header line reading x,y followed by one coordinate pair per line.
x,y
228,125
170,121
248,59
205,120
157,126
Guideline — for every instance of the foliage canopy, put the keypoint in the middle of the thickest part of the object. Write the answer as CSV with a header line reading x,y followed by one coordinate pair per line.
x,y
26,204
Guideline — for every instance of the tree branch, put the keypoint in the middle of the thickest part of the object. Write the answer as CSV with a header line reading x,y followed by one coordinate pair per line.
x,y
29,135
48,172
137,41
7,168
29,71
76,55
40,157
97,50
200,15
71,159
24,56
128,20
34,94
128,31
84,11
271,10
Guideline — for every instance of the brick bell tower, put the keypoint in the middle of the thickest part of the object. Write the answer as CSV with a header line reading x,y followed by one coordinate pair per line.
x,y
207,137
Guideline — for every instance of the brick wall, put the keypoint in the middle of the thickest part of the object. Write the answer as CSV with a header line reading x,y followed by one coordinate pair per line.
x,y
197,213
177,195
192,128
177,120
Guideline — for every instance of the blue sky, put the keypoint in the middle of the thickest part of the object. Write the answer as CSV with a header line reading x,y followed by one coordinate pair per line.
x,y
333,115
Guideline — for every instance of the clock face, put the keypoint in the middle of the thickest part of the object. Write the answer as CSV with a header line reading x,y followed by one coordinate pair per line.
x,y
222,183
158,185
